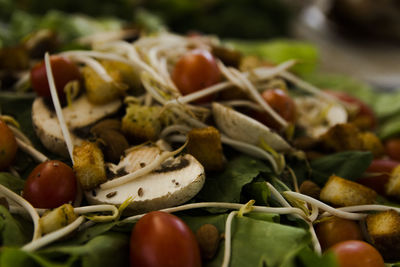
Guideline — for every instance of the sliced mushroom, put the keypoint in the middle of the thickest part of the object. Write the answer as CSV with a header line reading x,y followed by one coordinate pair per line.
x,y
175,182
82,113
245,129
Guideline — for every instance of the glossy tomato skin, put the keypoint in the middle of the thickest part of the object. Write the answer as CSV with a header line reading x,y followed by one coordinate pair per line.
x,y
194,71
162,239
378,174
355,253
50,184
8,146
282,103
392,148
63,70
366,117
335,230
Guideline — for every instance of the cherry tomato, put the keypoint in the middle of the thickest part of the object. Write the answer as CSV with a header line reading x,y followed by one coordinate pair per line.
x,y
378,173
194,71
365,117
355,253
50,184
63,70
162,239
335,230
8,146
392,148
282,103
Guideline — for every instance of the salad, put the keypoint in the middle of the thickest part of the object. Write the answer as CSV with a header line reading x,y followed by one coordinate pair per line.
x,y
258,166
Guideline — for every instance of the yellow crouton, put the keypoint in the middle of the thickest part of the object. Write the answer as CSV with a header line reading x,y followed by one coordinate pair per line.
x,y
142,123
342,192
89,165
384,231
371,142
392,188
99,91
57,218
342,137
205,145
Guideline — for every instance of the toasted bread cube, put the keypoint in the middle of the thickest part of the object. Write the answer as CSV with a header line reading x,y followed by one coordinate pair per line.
x,y
392,188
89,165
342,192
205,145
57,218
142,123
384,230
99,91
372,143
342,137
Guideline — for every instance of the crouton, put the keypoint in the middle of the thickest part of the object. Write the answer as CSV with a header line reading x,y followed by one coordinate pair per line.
x,y
142,123
89,165
205,145
371,142
384,231
342,192
392,187
57,218
99,91
123,72
342,137
347,136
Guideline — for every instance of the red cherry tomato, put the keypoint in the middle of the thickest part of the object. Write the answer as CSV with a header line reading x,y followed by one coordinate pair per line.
x,y
162,239
63,70
378,173
8,146
392,148
354,253
50,184
282,103
194,71
335,230
365,116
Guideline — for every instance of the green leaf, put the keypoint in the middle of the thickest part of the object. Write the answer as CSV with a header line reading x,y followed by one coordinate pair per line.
x,y
13,257
13,183
278,51
227,186
308,258
258,191
349,165
12,231
389,128
272,243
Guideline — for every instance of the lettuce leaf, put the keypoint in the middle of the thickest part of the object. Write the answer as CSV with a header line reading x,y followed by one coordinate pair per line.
x,y
280,50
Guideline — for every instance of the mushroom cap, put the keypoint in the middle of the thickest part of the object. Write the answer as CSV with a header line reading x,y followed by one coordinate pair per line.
x,y
82,113
245,129
157,190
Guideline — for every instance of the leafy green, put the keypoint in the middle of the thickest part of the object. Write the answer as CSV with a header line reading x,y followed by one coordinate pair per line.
x,y
271,243
11,182
349,165
278,51
307,258
227,186
258,191
390,128
12,231
111,249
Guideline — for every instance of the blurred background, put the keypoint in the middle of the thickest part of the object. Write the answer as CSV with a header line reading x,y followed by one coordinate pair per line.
x,y
359,38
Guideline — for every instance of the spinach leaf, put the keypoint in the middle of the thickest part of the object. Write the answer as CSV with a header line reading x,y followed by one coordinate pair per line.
x,y
258,191
307,258
11,182
349,165
12,231
227,186
111,249
390,127
271,243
